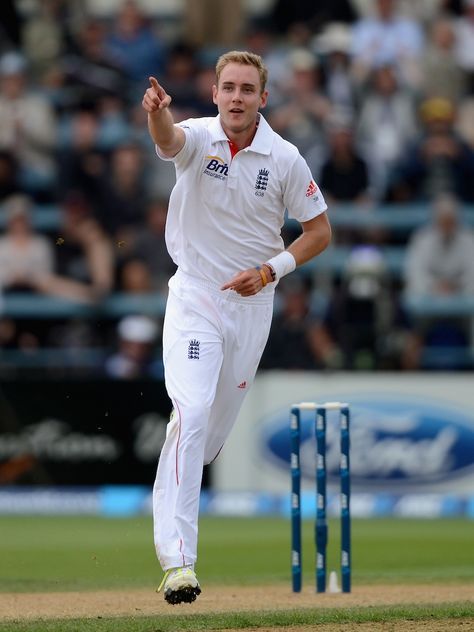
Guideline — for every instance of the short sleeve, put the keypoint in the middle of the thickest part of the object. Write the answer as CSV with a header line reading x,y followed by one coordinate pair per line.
x,y
302,196
194,138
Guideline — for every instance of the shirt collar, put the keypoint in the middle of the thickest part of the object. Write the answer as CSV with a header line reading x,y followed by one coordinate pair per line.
x,y
262,141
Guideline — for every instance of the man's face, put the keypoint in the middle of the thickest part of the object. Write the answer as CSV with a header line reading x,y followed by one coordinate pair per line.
x,y
238,97
386,8
12,85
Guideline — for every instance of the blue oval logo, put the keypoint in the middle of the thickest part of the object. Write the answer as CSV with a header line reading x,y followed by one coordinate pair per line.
x,y
395,442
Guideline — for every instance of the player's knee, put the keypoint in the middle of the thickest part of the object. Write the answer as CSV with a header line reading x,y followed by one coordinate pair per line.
x,y
193,423
212,452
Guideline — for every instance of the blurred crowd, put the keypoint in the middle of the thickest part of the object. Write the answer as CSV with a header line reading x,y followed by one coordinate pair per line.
x,y
378,95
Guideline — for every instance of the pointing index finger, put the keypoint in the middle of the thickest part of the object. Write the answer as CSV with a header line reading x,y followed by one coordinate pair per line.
x,y
230,285
154,84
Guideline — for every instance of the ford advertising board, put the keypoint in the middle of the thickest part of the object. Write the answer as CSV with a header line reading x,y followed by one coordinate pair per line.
x,y
396,442
410,433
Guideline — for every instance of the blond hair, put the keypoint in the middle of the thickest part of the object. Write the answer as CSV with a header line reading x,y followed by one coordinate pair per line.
x,y
247,59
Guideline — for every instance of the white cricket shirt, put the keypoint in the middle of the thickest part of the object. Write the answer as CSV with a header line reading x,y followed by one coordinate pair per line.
x,y
226,214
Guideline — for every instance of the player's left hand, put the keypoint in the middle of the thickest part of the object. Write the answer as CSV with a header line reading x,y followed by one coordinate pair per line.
x,y
246,283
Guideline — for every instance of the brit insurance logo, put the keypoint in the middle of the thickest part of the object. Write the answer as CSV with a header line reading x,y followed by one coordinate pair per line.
x,y
397,443
216,167
261,182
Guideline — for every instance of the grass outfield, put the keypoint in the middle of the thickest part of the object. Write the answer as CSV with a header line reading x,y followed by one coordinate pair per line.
x,y
49,554
295,620
86,553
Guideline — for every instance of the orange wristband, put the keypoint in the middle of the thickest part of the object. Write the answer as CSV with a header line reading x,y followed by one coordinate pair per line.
x,y
263,277
271,270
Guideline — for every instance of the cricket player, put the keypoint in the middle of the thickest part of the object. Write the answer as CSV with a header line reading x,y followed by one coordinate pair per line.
x,y
234,179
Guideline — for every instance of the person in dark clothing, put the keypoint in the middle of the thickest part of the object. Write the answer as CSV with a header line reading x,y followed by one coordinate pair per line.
x,y
295,334
345,175
439,162
10,25
286,13
8,175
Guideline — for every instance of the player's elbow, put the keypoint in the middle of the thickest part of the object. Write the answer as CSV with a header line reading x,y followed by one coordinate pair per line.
x,y
324,235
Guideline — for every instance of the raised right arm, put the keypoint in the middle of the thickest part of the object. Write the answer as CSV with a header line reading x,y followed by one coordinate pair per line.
x,y
169,137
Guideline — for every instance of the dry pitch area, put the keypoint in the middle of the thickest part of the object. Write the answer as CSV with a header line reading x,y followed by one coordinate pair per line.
x,y
22,606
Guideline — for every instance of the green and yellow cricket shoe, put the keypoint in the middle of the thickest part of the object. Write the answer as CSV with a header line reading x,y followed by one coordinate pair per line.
x,y
180,585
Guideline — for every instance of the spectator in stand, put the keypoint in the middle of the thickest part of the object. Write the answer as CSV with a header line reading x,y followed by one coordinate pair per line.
x,y
8,333
44,36
85,255
205,79
465,41
123,192
439,162
386,125
440,263
286,13
333,45
344,175
441,75
135,276
159,180
296,341
8,175
137,356
465,120
181,69
25,256
92,128
90,70
27,127
213,23
22,334
301,117
114,127
135,46
81,162
261,39
149,244
387,38
465,59
421,10
453,7
362,323
440,256
79,335
10,25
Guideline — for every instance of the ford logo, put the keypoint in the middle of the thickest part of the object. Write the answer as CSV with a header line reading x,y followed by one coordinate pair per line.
x,y
395,441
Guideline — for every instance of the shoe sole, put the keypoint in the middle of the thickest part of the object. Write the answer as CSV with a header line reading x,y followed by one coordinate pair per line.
x,y
187,594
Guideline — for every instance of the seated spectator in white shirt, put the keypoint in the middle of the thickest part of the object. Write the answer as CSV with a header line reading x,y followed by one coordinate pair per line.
x,y
387,38
27,126
25,257
85,255
441,74
440,257
440,263
386,126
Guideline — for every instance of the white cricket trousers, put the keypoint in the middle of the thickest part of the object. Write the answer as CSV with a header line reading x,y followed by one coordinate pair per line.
x,y
212,344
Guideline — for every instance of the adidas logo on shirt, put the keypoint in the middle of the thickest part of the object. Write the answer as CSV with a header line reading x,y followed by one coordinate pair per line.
x,y
312,189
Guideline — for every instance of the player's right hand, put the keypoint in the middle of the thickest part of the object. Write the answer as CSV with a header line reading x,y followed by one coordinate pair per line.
x,y
246,283
155,98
